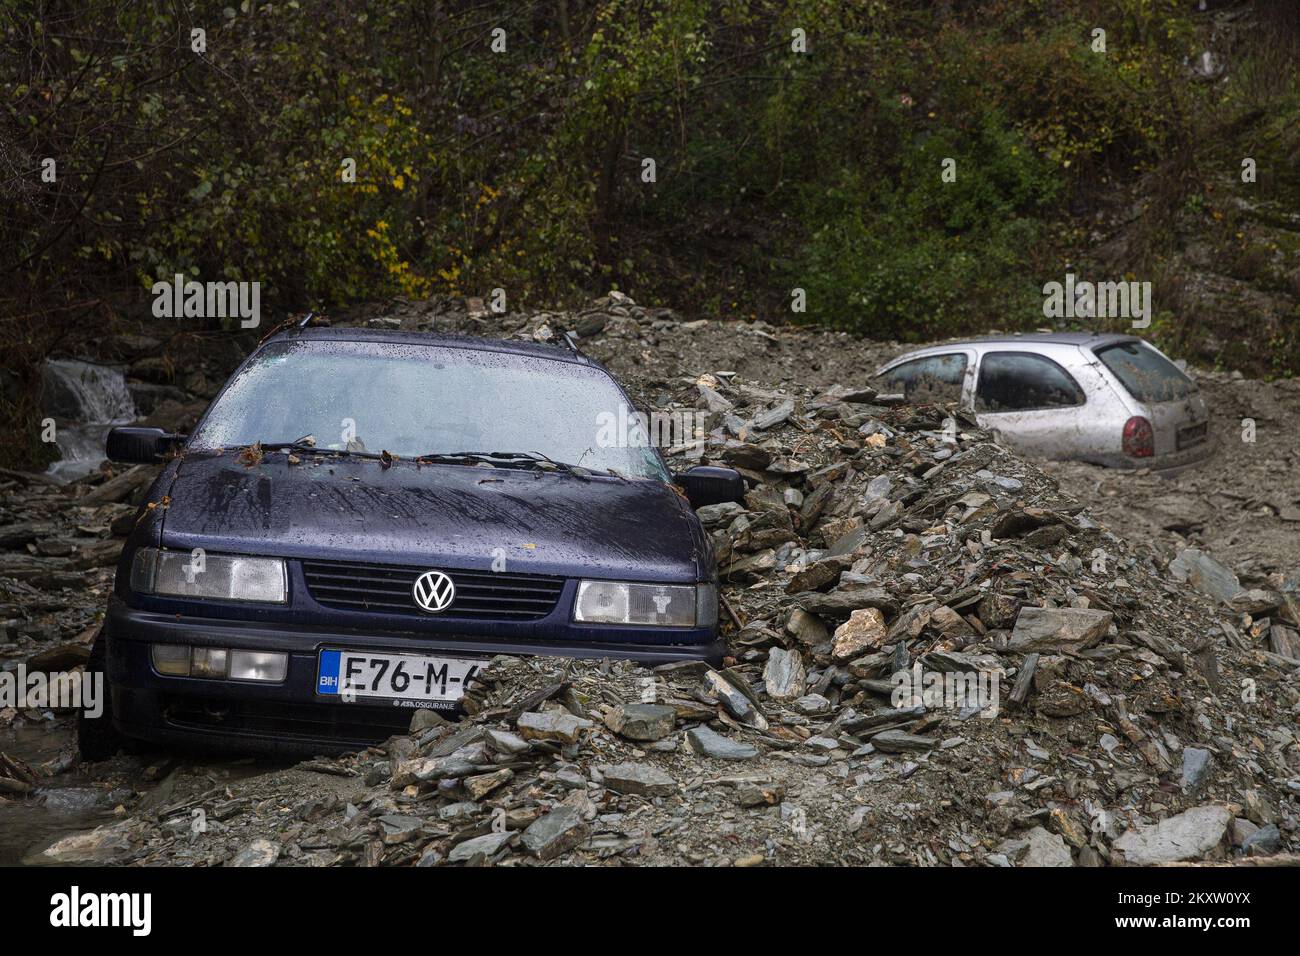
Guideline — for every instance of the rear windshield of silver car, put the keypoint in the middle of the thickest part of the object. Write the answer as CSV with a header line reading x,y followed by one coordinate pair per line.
x,y
1145,373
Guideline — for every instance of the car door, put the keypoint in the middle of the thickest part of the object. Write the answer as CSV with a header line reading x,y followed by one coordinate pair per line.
x,y
937,377
1030,403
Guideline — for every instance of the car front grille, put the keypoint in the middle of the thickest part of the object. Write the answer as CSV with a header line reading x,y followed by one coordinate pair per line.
x,y
386,589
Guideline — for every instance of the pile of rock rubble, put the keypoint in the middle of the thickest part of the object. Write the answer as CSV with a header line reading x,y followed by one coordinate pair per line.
x,y
936,658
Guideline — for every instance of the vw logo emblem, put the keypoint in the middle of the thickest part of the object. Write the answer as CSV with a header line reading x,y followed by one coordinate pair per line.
x,y
433,591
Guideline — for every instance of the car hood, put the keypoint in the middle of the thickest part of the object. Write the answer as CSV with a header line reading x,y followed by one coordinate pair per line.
x,y
440,515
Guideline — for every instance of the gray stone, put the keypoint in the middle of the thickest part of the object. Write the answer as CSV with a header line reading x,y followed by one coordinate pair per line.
x,y
642,721
1190,835
1058,629
480,785
556,833
735,701
564,728
1007,484
1263,842
878,489
425,719
949,662
432,769
898,741
1045,849
1196,767
640,779
822,744
838,605
399,827
755,565
1090,857
848,543
459,812
257,853
784,674
1202,572
1241,830
713,400
886,516
807,628
1258,810
715,514
488,845
810,705
1256,601
571,779
709,743
818,575
504,742
774,416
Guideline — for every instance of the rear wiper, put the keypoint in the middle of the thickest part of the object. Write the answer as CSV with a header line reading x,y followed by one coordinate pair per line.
x,y
508,459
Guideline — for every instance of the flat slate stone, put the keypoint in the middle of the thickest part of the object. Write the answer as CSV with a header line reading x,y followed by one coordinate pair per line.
x,y
642,721
640,779
1058,629
1188,836
487,845
708,743
556,833
898,741
564,728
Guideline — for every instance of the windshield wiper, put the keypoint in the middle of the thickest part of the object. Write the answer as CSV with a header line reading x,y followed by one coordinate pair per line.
x,y
509,459
307,445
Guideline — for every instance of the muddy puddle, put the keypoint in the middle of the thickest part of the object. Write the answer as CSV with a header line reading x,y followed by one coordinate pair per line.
x,y
74,798
66,803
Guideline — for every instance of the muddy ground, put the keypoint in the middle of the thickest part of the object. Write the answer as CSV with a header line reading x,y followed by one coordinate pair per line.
x,y
965,794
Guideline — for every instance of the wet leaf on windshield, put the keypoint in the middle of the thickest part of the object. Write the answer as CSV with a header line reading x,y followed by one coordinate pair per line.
x,y
252,455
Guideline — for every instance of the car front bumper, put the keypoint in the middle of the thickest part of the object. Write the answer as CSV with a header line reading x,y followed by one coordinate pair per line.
x,y
290,717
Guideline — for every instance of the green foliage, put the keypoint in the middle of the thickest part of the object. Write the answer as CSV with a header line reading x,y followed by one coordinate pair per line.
x,y
521,169
906,263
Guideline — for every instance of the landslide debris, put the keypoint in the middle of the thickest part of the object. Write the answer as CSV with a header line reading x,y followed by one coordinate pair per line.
x,y
1127,717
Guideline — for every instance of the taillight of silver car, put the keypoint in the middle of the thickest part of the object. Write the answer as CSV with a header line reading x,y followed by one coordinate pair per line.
x,y
1139,438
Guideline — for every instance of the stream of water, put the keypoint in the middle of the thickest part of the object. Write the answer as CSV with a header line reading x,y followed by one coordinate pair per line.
x,y
86,401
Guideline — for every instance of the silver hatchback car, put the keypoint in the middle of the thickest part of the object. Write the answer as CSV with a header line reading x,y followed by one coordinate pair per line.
x,y
1109,399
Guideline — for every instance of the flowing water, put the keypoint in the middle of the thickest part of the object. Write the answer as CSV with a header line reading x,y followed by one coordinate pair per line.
x,y
86,401
48,813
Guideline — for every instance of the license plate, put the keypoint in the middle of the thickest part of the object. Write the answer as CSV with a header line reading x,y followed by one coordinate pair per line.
x,y
405,679
1193,434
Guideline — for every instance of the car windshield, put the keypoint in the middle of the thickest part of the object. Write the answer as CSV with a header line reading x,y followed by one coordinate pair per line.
x,y
411,400
1148,375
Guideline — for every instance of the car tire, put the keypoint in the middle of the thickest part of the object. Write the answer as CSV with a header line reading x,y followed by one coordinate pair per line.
x,y
98,738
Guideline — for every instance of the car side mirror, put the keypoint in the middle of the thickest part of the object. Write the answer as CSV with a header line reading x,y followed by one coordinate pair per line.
x,y
710,485
140,446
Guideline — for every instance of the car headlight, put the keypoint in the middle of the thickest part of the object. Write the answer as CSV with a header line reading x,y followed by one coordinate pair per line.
x,y
665,605
224,577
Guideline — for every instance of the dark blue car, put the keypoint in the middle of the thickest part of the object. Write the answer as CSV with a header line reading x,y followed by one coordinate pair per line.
x,y
363,518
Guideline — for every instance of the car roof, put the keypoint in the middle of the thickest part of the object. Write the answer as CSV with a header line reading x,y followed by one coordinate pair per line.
x,y
336,333
1051,343
1050,338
